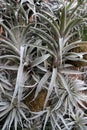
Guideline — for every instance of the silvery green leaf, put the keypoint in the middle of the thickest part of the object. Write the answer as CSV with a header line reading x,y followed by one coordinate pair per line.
x,y
5,81
82,88
16,122
73,9
51,85
43,33
66,39
22,105
42,48
63,121
24,12
11,46
31,86
74,58
22,114
37,114
6,87
53,24
6,124
9,57
39,60
76,55
1,20
61,43
63,20
9,31
42,68
30,1
55,121
60,101
2,108
41,83
3,103
20,78
69,47
46,40
53,124
69,71
20,119
2,88
46,118
73,23
12,117
82,96
35,77
81,104
7,67
5,112
64,83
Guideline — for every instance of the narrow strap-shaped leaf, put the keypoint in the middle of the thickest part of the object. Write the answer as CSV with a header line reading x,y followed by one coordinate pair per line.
x,y
9,31
3,108
46,119
63,21
60,102
73,11
51,85
30,1
71,24
76,59
60,49
5,112
77,55
20,119
16,122
56,122
7,67
5,81
3,103
9,44
74,44
12,117
64,83
42,68
53,24
24,12
23,114
26,29
68,71
47,41
41,83
37,114
20,78
7,121
43,48
9,57
63,121
43,33
81,104
69,6
39,60
66,39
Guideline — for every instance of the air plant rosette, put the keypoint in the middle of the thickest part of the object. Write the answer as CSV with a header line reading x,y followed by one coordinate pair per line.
x,y
41,85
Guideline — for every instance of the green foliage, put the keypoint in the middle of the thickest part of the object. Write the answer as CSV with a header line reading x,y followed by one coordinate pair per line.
x,y
39,90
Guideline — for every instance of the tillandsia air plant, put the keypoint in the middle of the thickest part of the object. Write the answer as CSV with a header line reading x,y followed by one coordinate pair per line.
x,y
41,56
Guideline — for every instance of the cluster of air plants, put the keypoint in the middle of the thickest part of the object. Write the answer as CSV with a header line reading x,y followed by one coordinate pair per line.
x,y
40,86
